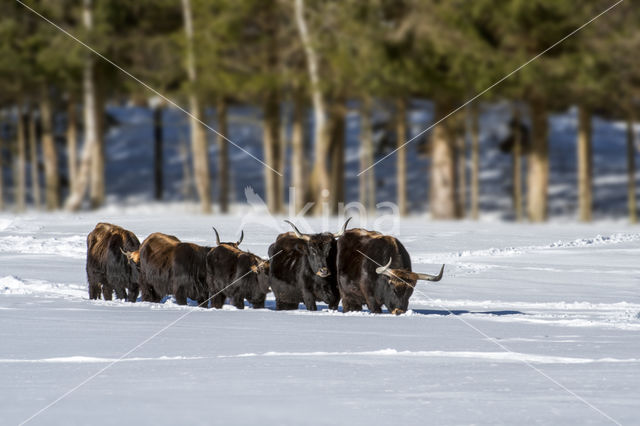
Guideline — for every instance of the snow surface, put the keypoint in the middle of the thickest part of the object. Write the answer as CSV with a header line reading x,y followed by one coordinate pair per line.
x,y
531,324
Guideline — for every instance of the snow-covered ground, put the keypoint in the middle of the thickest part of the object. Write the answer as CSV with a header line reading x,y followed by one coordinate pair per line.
x,y
531,324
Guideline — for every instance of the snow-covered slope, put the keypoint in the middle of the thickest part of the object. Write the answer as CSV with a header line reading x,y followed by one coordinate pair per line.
x,y
531,324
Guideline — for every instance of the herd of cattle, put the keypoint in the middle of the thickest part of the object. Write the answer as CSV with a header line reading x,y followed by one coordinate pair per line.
x,y
356,266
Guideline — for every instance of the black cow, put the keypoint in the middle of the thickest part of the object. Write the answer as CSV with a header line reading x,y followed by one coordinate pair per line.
x,y
303,269
107,269
169,266
375,270
236,274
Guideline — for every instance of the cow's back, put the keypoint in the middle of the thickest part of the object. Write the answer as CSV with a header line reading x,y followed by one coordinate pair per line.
x,y
189,269
360,252
287,267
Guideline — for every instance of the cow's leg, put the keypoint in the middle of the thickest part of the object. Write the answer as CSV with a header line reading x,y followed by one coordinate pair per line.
x,y
309,301
238,302
94,291
132,294
218,300
121,293
257,303
181,296
349,305
372,304
203,302
107,292
146,293
285,306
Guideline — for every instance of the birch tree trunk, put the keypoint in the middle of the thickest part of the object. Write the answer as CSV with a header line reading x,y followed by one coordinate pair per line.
x,y
442,192
631,171
475,161
50,155
158,179
78,191
223,155
200,153
72,143
33,153
517,166
584,164
20,165
338,118
319,175
538,164
298,155
367,179
401,169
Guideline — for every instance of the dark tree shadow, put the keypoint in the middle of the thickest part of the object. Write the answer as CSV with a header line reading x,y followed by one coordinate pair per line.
x,y
464,311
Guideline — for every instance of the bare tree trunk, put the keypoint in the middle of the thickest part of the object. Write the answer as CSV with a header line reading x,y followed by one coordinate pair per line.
x,y
158,161
584,164
443,199
461,162
298,155
517,166
283,144
271,140
631,171
77,194
187,179
538,164
475,161
337,125
72,142
20,170
97,189
50,154
223,155
367,179
2,164
33,152
319,176
198,136
401,169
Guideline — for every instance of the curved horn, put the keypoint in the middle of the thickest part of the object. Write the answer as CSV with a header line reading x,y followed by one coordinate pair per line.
x,y
126,253
344,228
217,236
428,277
295,230
241,237
383,269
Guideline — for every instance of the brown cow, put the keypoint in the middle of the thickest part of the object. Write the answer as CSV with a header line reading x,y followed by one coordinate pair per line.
x,y
375,270
107,269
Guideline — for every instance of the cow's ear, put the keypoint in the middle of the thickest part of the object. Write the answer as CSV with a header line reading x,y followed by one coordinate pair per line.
x,y
254,269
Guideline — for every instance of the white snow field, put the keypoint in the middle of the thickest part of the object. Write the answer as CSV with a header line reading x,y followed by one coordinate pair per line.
x,y
531,324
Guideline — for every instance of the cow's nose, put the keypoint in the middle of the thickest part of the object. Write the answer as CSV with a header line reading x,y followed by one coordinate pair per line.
x,y
397,311
323,272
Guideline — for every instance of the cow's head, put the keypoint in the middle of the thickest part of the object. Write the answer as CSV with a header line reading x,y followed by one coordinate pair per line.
x,y
399,285
260,268
317,249
235,245
320,253
133,259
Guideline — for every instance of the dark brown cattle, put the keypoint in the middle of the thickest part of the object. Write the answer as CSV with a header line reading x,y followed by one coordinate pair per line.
x,y
303,269
169,266
375,270
237,275
107,269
